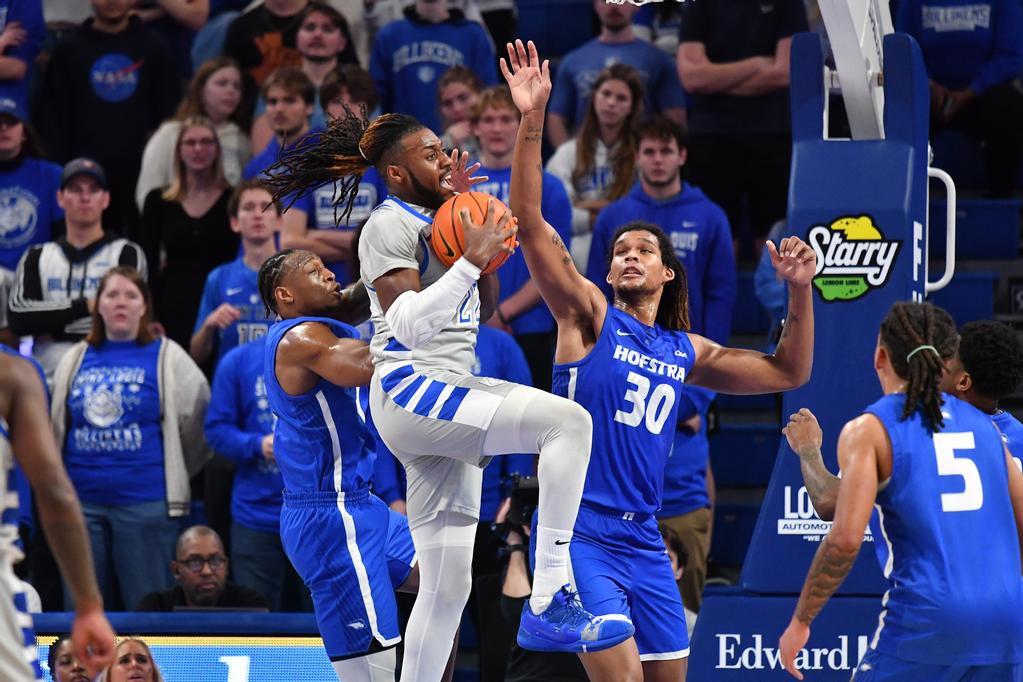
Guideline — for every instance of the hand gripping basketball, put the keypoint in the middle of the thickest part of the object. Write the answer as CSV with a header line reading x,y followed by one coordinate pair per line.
x,y
476,225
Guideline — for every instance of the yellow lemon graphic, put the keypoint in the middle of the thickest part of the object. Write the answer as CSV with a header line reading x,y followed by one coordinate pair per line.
x,y
857,228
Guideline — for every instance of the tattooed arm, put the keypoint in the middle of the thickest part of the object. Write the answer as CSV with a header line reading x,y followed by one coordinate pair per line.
x,y
805,437
570,297
865,457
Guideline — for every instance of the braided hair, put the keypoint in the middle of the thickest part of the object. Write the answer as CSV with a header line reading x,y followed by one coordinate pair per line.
x,y
905,329
673,309
270,275
340,155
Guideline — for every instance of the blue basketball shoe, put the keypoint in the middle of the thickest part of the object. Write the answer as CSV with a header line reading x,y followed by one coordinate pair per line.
x,y
567,627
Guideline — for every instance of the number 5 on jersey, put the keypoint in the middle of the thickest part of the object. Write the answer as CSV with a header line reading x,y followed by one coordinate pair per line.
x,y
972,496
654,411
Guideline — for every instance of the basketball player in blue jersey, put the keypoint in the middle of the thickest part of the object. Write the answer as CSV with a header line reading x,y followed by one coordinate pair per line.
x,y
25,433
627,363
935,469
442,422
349,548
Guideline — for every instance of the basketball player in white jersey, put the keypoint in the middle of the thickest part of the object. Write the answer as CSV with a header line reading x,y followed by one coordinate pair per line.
x,y
25,433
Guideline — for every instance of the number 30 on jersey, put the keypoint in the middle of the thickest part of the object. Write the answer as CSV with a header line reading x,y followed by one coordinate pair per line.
x,y
646,406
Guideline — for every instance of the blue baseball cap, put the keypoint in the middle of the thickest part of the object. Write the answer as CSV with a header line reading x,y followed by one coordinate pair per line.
x,y
13,106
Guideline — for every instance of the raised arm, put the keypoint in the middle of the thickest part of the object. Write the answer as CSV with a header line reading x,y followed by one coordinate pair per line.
x,y
740,371
568,294
860,449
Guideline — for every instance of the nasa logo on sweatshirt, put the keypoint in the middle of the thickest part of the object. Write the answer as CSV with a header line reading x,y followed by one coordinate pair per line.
x,y
115,77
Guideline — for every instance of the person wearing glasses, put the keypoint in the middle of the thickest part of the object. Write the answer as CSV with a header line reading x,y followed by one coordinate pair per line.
x,y
200,570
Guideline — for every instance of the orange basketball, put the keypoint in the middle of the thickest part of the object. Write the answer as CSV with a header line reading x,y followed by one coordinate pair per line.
x,y
448,240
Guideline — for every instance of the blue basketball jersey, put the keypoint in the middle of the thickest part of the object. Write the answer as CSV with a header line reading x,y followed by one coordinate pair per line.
x,y
630,384
320,442
953,555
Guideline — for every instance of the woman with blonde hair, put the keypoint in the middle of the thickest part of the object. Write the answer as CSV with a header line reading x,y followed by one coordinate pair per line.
x,y
216,93
133,660
597,166
127,411
186,231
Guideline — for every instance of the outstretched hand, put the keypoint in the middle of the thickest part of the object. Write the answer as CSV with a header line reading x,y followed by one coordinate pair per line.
x,y
793,260
528,79
462,178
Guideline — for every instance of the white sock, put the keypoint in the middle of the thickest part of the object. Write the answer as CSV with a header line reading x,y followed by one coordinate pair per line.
x,y
561,432
552,566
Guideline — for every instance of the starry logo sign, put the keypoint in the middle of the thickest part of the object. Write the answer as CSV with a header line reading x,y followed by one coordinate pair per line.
x,y
853,257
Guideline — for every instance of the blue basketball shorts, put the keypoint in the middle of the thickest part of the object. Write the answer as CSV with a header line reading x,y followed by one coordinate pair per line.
x,y
349,550
880,667
620,565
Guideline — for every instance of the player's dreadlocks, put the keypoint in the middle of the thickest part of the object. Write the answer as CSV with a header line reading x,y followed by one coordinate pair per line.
x,y
919,337
993,355
270,274
673,310
339,154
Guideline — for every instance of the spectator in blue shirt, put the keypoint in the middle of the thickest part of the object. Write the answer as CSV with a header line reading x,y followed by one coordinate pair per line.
x,y
28,184
128,410
617,43
520,310
231,312
974,57
410,56
698,228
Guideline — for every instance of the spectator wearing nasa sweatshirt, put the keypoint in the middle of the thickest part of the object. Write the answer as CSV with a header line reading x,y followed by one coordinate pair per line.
x,y
974,57
411,54
107,87
697,227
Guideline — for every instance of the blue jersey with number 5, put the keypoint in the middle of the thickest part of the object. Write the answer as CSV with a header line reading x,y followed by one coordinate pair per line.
x,y
953,561
629,383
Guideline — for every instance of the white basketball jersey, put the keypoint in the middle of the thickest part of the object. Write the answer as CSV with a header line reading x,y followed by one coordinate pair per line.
x,y
397,236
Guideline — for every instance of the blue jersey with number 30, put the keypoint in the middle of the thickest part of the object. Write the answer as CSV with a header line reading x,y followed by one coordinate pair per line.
x,y
630,384
956,596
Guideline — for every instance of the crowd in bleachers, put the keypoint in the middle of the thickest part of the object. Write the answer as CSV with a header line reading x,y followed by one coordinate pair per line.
x,y
133,134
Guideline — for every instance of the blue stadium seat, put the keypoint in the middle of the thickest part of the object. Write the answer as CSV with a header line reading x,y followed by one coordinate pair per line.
x,y
748,316
969,296
744,454
733,530
986,229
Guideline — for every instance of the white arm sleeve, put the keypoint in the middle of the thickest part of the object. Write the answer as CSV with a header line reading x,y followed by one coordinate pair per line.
x,y
415,317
